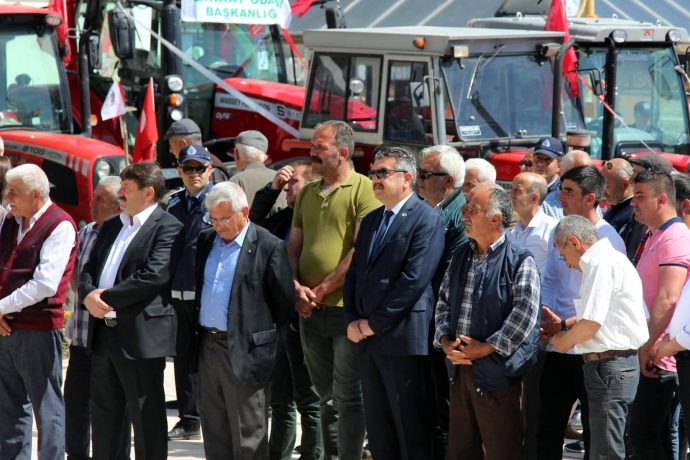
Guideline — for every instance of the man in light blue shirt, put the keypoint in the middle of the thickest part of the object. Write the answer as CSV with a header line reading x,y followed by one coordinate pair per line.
x,y
245,292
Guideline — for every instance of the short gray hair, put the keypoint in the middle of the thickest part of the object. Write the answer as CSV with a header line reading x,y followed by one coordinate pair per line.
x,y
250,154
227,192
538,187
486,173
113,183
342,132
404,159
576,226
32,177
449,161
499,203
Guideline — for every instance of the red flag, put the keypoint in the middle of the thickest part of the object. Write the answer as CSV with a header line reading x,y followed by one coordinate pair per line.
x,y
557,21
147,129
58,7
300,7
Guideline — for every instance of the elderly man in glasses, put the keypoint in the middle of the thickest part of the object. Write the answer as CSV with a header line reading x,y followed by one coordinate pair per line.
x,y
486,324
245,293
440,176
195,169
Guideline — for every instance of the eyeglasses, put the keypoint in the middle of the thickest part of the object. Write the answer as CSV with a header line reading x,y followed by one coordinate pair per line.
x,y
216,220
382,173
194,169
472,210
526,163
424,174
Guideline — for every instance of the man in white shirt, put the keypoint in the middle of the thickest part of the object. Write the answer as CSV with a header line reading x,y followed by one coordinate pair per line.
x,y
37,253
125,287
562,381
610,327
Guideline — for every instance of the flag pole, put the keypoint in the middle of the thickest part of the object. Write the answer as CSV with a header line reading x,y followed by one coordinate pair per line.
x,y
125,138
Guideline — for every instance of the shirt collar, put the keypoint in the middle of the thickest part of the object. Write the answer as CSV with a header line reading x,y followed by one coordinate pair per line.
x,y
536,219
595,251
239,239
139,219
492,248
670,222
396,209
347,182
35,217
198,195
447,200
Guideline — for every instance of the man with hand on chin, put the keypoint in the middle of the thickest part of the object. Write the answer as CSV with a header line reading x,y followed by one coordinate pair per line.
x,y
388,307
490,334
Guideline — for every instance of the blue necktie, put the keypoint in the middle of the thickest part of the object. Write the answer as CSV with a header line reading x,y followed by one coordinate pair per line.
x,y
378,239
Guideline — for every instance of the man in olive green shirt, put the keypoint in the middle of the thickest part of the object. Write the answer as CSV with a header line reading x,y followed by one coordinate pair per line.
x,y
325,222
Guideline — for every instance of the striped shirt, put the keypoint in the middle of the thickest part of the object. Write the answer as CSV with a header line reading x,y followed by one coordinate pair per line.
x,y
522,318
77,327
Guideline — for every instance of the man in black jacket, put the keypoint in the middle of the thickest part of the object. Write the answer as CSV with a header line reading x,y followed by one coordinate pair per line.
x,y
292,385
238,324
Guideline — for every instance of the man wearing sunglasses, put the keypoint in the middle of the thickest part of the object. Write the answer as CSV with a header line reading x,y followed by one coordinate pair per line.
x,y
388,308
440,176
194,167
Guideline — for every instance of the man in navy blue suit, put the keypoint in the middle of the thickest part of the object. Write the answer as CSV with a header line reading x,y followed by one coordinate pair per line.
x,y
388,307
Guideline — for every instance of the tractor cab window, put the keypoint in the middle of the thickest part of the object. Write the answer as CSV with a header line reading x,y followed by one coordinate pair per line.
x,y
497,96
344,87
408,107
650,99
32,92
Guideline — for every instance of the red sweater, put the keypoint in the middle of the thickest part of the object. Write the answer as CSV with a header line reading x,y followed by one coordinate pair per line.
x,y
18,263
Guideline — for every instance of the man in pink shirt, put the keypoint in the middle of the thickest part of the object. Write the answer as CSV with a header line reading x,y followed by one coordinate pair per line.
x,y
663,268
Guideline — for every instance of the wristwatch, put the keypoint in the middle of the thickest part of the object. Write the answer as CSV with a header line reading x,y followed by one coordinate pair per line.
x,y
564,327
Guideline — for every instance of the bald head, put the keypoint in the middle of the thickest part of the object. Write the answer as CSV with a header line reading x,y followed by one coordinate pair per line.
x,y
618,174
527,192
573,160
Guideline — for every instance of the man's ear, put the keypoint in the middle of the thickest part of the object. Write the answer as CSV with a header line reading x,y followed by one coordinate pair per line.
x,y
685,206
449,181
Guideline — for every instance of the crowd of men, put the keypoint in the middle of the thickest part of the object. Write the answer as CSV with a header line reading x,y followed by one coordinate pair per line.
x,y
421,307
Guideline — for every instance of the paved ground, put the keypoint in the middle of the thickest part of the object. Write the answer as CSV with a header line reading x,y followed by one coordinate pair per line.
x,y
187,450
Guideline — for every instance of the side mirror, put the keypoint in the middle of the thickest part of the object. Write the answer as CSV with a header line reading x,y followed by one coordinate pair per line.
x,y
597,82
335,18
94,51
121,34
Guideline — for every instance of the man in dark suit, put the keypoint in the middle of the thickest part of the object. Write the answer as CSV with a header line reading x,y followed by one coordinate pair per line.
x,y
388,307
125,287
245,293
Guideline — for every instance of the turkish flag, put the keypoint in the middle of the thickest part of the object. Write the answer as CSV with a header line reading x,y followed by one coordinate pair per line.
x,y
300,7
556,21
147,129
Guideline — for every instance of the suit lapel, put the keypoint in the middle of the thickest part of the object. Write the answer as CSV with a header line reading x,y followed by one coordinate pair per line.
x,y
135,244
108,241
244,264
203,250
398,221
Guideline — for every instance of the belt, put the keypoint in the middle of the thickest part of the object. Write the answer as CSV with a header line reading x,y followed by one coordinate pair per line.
x,y
183,295
214,335
110,322
587,357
